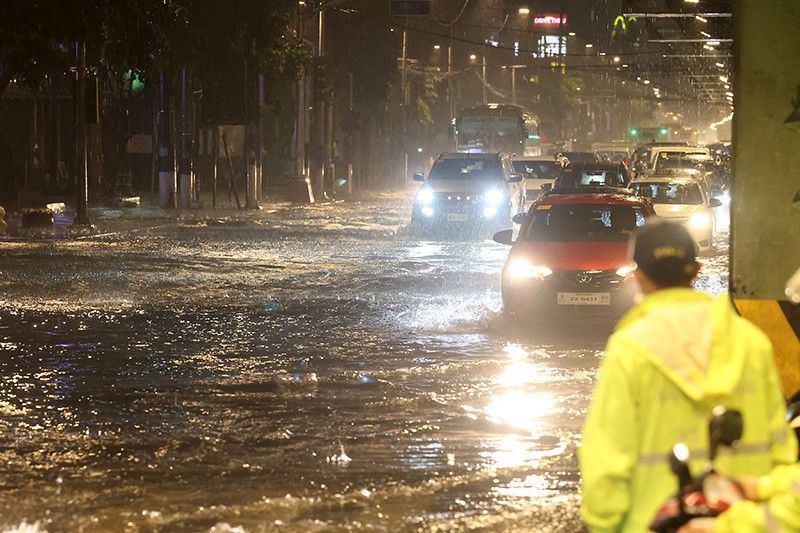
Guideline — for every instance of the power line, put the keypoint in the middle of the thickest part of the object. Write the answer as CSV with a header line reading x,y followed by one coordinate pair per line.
x,y
460,13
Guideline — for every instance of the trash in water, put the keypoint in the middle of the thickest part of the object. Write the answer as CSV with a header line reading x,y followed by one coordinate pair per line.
x,y
340,459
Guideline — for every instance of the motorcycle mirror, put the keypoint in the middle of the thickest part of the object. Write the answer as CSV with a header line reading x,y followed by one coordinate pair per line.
x,y
679,464
504,237
724,429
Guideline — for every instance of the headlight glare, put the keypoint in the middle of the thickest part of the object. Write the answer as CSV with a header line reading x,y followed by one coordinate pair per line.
x,y
626,271
519,269
700,220
425,196
494,196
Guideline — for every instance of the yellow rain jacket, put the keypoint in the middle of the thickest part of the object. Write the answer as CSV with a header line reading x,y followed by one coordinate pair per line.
x,y
671,360
780,513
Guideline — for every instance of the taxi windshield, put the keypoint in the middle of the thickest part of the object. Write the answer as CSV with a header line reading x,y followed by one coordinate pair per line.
x,y
669,193
583,223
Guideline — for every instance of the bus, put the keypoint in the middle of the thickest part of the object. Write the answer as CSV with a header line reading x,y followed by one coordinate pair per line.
x,y
504,128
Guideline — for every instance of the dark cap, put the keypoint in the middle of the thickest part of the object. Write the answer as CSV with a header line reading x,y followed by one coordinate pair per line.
x,y
664,251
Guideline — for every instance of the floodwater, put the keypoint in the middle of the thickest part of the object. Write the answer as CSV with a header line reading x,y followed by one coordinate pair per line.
x,y
304,369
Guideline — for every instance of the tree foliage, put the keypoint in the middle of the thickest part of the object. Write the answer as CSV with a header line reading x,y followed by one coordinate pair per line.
x,y
144,35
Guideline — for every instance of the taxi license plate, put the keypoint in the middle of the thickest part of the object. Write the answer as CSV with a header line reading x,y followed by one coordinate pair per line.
x,y
584,298
457,217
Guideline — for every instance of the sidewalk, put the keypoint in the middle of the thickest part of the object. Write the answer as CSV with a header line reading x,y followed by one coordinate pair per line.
x,y
106,219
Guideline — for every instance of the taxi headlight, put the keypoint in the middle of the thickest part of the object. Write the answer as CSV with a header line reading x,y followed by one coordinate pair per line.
x,y
494,196
700,220
425,196
519,269
626,271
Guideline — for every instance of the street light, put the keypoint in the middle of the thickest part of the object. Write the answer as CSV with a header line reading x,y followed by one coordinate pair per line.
x,y
513,69
436,47
524,11
473,57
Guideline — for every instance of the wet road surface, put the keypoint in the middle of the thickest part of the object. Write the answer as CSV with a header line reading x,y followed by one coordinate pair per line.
x,y
313,368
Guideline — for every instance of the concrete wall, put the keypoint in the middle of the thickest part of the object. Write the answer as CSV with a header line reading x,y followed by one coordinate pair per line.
x,y
766,228
765,222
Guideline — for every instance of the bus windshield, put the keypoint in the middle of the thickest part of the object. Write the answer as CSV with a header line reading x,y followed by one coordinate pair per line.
x,y
495,128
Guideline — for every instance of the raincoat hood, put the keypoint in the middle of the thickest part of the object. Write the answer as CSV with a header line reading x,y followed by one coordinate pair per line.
x,y
687,337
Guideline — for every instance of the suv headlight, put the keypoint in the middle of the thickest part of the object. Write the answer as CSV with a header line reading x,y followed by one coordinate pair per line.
x,y
494,196
700,220
425,196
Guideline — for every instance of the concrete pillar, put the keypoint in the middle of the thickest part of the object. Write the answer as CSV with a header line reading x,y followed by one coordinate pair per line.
x,y
765,221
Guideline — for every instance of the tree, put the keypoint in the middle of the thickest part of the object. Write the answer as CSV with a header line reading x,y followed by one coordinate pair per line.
x,y
141,37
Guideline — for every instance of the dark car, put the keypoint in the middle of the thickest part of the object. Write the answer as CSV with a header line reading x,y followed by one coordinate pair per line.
x,y
575,158
468,192
570,261
593,175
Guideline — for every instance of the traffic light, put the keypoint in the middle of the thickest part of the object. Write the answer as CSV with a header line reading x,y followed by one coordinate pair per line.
x,y
664,131
633,132
135,81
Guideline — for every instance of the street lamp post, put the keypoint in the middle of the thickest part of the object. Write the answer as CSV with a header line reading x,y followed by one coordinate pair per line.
x,y
513,69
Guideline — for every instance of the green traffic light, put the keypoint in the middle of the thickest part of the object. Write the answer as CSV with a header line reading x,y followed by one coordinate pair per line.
x,y
137,85
664,131
634,132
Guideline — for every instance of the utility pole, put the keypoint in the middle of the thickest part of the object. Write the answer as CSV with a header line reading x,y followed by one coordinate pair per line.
x,y
186,184
450,75
82,214
166,151
250,81
483,65
318,126
404,102
300,170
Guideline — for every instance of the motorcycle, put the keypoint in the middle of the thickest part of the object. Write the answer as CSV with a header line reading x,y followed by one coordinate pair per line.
x,y
710,493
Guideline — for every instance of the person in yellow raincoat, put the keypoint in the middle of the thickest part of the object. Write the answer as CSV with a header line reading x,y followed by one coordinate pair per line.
x,y
673,358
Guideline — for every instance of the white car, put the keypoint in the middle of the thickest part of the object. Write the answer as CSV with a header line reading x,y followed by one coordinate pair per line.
x,y
683,200
675,152
538,172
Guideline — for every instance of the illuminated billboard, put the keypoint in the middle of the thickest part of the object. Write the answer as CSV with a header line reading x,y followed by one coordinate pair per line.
x,y
549,20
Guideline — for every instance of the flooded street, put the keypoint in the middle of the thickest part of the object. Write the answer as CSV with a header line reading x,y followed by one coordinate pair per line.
x,y
305,368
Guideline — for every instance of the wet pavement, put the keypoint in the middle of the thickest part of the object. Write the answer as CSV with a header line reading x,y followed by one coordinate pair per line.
x,y
306,368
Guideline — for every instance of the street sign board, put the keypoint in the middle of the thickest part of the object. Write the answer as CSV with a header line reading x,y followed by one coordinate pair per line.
x,y
410,7
140,143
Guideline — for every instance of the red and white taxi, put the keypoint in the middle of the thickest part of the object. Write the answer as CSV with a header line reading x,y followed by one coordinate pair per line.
x,y
570,261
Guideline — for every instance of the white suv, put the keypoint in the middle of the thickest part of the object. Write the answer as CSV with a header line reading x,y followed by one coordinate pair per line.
x,y
468,192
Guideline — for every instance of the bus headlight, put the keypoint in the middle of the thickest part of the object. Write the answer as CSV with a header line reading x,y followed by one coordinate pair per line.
x,y
425,196
494,196
700,220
